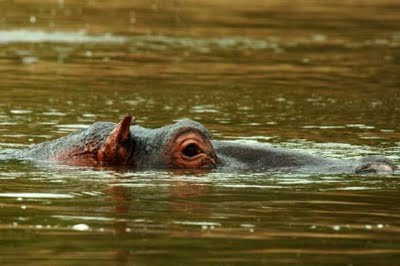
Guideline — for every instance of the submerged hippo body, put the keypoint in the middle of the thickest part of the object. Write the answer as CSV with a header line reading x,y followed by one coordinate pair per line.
x,y
185,144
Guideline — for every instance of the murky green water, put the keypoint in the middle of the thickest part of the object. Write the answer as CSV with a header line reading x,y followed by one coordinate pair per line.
x,y
321,76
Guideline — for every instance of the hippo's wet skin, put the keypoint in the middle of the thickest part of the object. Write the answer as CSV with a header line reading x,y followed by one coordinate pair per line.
x,y
185,144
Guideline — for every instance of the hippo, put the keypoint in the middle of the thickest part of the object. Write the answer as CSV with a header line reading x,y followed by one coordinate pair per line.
x,y
184,145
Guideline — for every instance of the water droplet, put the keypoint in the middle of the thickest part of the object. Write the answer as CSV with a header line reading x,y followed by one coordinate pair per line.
x,y
32,19
336,227
80,227
28,60
319,37
19,112
247,225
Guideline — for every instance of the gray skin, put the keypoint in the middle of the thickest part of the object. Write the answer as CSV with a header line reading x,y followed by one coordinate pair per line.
x,y
105,143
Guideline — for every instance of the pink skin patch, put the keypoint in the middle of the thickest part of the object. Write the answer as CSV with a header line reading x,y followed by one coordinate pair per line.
x,y
115,150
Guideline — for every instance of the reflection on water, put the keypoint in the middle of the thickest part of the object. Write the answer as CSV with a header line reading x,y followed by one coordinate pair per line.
x,y
156,42
26,36
315,76
156,214
20,196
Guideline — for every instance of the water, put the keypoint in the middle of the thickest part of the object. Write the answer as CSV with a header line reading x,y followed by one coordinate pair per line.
x,y
319,77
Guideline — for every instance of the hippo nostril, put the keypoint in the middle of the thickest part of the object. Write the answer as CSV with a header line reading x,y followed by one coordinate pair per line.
x,y
191,150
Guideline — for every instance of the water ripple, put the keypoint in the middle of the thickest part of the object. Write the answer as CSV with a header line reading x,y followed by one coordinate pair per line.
x,y
152,42
39,36
36,195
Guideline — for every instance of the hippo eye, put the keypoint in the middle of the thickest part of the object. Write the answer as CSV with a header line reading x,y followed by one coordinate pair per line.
x,y
191,150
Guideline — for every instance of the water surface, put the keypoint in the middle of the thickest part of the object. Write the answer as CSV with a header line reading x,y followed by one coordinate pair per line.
x,y
314,76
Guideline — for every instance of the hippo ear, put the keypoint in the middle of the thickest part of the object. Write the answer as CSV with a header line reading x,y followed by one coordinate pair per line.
x,y
117,147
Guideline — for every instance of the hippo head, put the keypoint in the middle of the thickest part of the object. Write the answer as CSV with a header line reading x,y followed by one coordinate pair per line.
x,y
185,144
